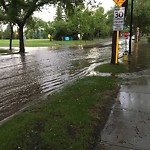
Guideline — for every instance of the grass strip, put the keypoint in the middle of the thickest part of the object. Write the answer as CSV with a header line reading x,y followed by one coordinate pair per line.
x,y
112,68
69,119
48,43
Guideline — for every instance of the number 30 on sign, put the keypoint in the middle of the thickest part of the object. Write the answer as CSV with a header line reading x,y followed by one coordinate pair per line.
x,y
119,13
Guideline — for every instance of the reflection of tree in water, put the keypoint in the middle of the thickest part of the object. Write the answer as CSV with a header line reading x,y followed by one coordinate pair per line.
x,y
140,58
23,89
77,65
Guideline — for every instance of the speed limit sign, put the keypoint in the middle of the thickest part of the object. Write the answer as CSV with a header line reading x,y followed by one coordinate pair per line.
x,y
119,14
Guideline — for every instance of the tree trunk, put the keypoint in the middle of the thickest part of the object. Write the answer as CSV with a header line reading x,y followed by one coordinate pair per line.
x,y
21,41
11,36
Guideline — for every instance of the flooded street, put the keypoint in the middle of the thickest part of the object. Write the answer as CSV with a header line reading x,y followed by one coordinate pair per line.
x,y
27,79
140,59
128,125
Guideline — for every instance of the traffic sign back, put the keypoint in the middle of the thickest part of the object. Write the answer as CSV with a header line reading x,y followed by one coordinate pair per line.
x,y
119,2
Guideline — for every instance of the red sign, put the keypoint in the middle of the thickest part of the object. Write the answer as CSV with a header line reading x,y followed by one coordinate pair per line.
x,y
126,34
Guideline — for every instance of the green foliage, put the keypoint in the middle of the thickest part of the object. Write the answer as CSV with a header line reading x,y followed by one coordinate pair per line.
x,y
59,13
89,23
19,11
109,22
61,30
6,32
148,38
100,23
141,17
36,28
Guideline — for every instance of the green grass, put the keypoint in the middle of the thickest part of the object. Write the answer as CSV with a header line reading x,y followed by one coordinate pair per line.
x,y
69,119
47,43
112,68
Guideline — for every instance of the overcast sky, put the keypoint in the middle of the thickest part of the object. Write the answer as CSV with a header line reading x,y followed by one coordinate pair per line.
x,y
49,13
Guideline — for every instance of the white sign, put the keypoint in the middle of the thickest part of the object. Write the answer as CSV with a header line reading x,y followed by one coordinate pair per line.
x,y
118,28
119,13
118,22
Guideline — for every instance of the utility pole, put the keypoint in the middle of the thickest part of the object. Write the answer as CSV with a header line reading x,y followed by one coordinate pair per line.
x,y
131,22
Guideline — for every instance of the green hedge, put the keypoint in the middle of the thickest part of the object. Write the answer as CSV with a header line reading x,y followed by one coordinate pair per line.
x,y
148,38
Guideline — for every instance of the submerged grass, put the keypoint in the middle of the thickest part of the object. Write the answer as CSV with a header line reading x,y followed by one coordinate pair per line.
x,y
69,119
5,51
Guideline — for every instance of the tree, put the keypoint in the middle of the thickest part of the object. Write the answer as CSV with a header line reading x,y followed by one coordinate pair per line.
x,y
81,22
11,35
87,24
110,17
141,17
1,30
36,28
89,21
59,13
100,22
3,18
61,30
74,21
19,11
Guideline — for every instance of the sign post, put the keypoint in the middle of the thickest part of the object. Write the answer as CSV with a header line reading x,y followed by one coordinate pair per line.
x,y
119,15
131,22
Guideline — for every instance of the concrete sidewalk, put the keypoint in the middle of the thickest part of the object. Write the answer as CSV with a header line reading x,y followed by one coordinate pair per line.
x,y
128,127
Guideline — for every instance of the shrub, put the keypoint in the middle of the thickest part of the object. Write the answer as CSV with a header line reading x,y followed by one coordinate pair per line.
x,y
148,39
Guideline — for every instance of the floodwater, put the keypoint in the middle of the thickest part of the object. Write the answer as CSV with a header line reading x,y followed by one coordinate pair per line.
x,y
140,59
128,126
29,78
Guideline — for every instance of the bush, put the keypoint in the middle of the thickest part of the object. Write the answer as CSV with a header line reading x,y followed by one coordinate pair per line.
x,y
148,39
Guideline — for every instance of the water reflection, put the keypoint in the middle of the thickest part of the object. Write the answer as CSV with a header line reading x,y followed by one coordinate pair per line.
x,y
140,57
134,93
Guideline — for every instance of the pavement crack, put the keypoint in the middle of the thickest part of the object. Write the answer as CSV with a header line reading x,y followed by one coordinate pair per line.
x,y
137,131
105,143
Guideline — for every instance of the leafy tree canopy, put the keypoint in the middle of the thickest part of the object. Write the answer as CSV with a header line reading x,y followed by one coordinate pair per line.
x,y
19,11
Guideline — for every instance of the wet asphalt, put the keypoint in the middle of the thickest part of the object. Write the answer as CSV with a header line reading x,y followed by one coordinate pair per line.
x,y
128,126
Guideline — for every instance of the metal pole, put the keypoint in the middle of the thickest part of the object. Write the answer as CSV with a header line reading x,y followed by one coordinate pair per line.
x,y
131,22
